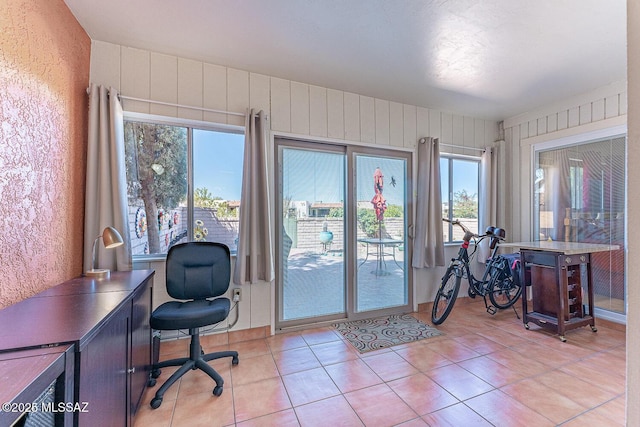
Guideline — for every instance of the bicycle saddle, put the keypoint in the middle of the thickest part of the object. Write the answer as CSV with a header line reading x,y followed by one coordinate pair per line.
x,y
498,234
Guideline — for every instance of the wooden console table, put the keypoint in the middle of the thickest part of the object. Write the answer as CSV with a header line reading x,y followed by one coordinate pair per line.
x,y
102,326
558,274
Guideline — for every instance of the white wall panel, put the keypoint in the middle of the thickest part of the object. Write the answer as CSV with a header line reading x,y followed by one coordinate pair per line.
x,y
381,121
532,127
335,114
280,105
318,121
585,113
351,117
597,110
458,130
469,132
163,83
574,117
423,122
435,124
552,122
259,92
479,140
190,88
611,104
367,119
410,127
214,92
134,79
237,94
396,124
622,104
446,128
542,125
300,108
105,64
563,119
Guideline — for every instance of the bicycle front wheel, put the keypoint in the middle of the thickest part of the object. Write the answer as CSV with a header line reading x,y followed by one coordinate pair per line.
x,y
504,291
446,297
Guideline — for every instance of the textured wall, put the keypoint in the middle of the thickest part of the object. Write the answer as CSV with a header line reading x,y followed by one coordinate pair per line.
x,y
44,72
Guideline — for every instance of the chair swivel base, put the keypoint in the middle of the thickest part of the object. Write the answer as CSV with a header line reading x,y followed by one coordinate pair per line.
x,y
196,360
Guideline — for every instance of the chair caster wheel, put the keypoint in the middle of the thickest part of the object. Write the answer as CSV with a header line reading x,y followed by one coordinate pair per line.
x,y
156,402
235,360
594,329
151,382
526,326
217,390
562,338
155,373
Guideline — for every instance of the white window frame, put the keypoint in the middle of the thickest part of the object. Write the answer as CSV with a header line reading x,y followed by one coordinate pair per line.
x,y
190,124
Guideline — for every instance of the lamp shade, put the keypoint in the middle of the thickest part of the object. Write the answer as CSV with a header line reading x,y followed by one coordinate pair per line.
x,y
111,239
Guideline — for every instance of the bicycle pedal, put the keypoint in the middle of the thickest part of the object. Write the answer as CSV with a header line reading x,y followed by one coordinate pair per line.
x,y
491,310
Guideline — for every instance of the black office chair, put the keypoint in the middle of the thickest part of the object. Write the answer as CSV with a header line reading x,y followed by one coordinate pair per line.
x,y
198,272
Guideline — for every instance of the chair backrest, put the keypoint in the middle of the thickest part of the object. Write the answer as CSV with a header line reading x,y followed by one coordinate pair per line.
x,y
198,270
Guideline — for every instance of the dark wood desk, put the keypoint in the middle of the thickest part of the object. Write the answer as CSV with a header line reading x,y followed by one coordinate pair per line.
x,y
559,276
25,375
107,324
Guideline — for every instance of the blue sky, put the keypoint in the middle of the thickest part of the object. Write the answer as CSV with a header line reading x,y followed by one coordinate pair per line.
x,y
313,176
217,162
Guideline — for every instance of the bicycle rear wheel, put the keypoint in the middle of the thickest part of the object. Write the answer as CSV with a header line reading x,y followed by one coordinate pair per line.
x,y
504,291
446,297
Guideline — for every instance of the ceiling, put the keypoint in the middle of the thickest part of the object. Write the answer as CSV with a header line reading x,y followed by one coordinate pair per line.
x,y
490,59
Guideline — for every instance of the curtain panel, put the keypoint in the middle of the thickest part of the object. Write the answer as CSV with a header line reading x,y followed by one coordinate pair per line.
x,y
106,181
428,244
254,260
487,209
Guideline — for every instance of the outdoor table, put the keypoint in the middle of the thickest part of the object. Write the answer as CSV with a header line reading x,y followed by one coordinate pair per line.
x,y
379,244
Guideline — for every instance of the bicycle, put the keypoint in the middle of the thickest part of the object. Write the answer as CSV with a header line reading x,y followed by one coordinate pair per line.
x,y
500,281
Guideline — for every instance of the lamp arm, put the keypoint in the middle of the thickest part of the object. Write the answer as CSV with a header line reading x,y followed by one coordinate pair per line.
x,y
93,253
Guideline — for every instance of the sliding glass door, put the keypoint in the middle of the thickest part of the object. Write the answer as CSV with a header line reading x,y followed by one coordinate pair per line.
x,y
381,210
342,242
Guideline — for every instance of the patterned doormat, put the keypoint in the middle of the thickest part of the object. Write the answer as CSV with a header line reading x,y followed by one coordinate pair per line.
x,y
373,334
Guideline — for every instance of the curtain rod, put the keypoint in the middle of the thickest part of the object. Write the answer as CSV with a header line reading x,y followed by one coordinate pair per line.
x,y
463,147
423,140
168,104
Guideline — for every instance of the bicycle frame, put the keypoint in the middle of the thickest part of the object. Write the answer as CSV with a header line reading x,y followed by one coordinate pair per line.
x,y
461,266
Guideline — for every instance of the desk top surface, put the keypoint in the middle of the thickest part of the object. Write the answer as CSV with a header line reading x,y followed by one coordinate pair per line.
x,y
68,312
567,248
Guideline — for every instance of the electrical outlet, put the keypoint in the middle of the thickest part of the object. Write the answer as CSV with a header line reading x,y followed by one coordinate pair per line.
x,y
237,294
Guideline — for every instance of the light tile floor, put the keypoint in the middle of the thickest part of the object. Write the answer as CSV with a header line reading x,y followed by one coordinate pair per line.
x,y
484,371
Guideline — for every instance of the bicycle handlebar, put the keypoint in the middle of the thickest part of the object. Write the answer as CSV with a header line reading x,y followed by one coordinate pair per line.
x,y
468,234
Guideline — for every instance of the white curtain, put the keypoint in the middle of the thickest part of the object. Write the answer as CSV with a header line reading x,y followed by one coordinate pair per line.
x,y
254,261
428,245
106,183
488,206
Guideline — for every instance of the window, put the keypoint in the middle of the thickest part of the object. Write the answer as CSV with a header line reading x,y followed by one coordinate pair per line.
x,y
459,177
579,196
164,160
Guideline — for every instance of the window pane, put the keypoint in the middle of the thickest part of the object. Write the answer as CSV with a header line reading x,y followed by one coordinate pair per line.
x,y
580,197
156,161
465,192
217,183
157,179
444,192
